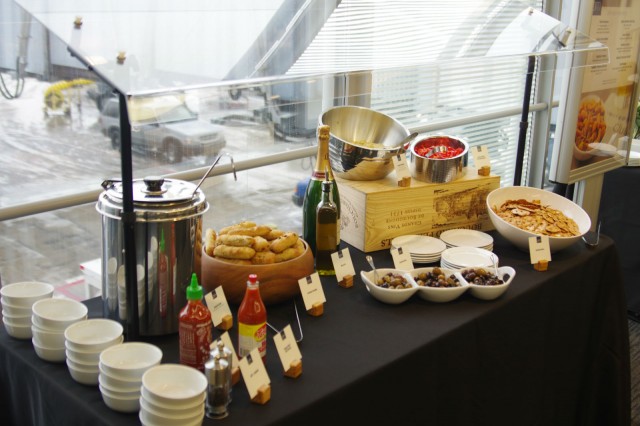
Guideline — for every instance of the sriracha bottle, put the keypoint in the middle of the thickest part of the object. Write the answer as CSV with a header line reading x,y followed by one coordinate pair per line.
x,y
195,328
252,320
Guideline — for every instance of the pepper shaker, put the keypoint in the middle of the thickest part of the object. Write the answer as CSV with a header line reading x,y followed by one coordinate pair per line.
x,y
218,372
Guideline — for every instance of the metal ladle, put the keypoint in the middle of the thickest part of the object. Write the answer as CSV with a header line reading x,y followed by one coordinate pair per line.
x,y
233,166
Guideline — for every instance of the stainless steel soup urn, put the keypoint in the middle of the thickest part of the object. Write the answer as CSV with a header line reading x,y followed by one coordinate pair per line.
x,y
168,237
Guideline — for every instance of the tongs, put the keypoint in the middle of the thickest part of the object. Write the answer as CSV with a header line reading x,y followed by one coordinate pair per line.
x,y
206,175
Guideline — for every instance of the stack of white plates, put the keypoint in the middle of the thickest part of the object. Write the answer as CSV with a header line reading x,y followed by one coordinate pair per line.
x,y
423,249
17,300
467,238
467,257
50,318
121,369
84,341
172,394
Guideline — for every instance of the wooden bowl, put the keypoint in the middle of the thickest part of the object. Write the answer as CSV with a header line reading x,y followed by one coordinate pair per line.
x,y
278,281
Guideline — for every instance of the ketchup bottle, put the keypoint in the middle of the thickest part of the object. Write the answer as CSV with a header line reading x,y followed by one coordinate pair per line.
x,y
252,320
195,328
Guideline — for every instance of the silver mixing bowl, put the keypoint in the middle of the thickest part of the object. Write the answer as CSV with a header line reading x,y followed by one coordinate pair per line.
x,y
435,170
363,142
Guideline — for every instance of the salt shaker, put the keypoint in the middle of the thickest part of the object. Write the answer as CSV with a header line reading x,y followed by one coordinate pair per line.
x,y
225,354
218,372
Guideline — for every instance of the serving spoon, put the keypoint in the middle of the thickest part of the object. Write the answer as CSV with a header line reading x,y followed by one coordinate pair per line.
x,y
375,272
591,238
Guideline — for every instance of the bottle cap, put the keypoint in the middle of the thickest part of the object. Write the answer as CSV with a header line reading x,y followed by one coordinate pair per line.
x,y
194,291
253,279
323,131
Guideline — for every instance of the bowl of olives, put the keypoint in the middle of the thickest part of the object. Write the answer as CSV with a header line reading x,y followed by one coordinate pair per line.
x,y
438,284
391,286
487,283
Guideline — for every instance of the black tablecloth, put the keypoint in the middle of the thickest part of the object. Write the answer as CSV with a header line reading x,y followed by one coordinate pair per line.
x,y
620,215
553,350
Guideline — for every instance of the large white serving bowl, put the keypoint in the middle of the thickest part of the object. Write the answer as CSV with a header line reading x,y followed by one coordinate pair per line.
x,y
520,237
439,294
25,294
130,360
58,314
49,354
175,384
119,403
18,331
94,334
491,292
388,295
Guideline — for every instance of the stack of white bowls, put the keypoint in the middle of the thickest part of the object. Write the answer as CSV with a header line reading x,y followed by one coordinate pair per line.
x,y
49,319
172,394
17,299
121,368
84,341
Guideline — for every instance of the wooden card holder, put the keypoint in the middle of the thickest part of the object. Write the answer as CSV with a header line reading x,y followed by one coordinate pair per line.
x,y
541,265
235,375
346,282
316,310
404,182
295,369
263,396
226,323
484,171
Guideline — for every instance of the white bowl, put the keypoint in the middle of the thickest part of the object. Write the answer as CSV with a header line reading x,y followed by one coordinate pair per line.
x,y
146,421
89,357
18,311
178,411
20,320
149,416
439,294
93,334
109,382
491,292
116,403
58,314
86,377
17,331
172,405
49,354
520,237
387,295
130,360
77,363
120,381
47,338
117,391
175,383
25,294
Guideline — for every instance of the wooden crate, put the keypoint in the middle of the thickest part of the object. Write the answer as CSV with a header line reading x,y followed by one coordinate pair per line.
x,y
375,212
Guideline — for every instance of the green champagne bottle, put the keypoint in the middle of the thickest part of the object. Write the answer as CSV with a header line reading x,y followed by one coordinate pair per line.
x,y
313,194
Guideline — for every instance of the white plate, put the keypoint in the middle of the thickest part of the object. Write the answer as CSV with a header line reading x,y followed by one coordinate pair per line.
x,y
419,244
463,257
466,237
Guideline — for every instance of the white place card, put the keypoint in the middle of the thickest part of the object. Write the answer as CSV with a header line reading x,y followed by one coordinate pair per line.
x,y
400,164
401,259
480,156
254,372
342,263
539,249
287,347
227,342
311,290
218,306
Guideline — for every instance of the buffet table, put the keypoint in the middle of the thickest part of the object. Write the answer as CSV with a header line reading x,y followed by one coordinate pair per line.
x,y
553,349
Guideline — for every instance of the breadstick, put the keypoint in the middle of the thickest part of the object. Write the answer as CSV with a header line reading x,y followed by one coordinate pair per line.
x,y
282,243
273,234
264,258
245,224
260,244
235,240
231,252
253,231
287,254
209,241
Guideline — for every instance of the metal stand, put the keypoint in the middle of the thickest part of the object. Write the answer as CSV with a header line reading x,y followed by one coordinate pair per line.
x,y
524,122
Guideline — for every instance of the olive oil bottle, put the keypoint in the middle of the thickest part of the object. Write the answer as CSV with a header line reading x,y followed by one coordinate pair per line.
x,y
326,231
322,171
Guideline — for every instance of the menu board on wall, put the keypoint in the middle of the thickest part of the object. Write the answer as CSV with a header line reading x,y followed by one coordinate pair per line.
x,y
594,121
